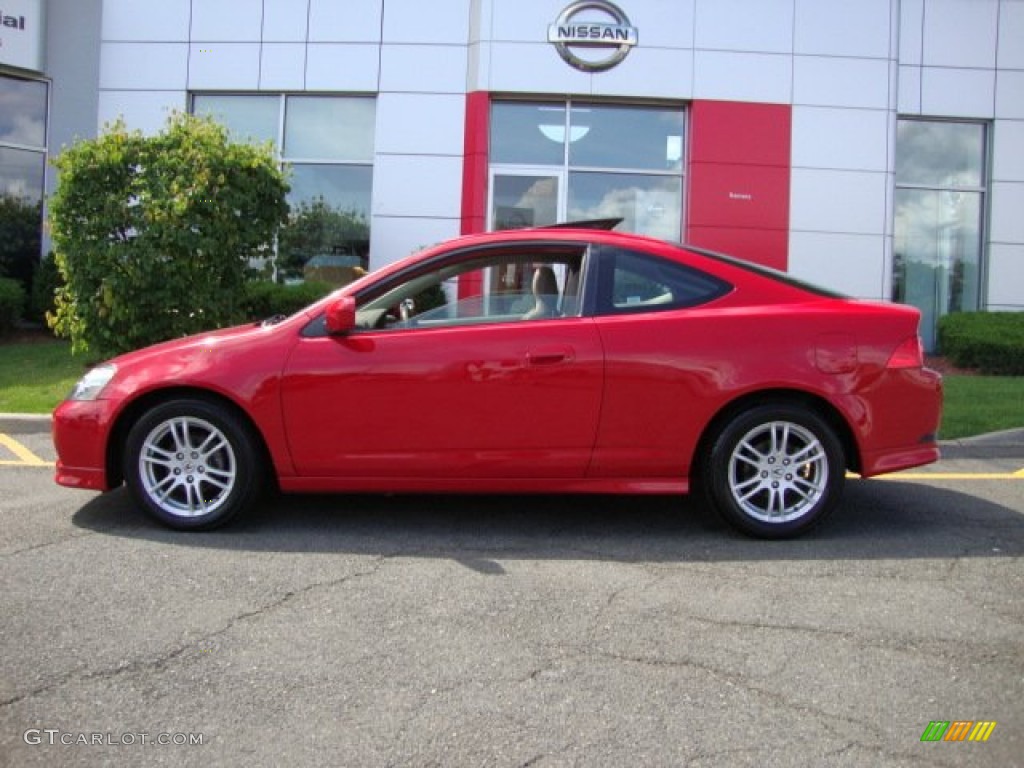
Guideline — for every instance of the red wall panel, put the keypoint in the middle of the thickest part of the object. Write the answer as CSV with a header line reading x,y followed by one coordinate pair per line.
x,y
474,176
738,180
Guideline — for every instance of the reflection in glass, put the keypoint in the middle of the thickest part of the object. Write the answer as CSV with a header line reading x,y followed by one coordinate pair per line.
x,y
328,234
943,154
247,118
524,201
640,138
329,128
21,174
22,112
649,205
528,134
937,253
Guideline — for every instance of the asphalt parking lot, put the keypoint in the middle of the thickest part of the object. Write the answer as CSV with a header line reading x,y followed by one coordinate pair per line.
x,y
513,631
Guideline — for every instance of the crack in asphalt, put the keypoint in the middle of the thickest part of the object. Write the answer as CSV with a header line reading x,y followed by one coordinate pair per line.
x,y
143,665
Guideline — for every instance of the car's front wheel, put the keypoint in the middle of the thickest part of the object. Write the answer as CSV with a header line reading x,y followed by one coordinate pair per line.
x,y
775,471
192,464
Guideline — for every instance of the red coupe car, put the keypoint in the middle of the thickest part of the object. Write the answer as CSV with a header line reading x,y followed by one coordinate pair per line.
x,y
549,360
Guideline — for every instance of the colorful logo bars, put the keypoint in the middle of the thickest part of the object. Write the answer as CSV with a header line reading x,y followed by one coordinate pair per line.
x,y
958,730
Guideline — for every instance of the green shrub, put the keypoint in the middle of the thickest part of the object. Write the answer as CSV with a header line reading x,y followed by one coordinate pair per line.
x,y
992,342
12,303
45,283
153,235
264,298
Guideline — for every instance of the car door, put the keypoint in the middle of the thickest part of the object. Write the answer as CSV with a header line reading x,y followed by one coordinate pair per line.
x,y
493,398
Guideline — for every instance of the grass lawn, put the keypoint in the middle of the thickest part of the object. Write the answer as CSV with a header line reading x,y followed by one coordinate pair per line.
x,y
36,374
978,404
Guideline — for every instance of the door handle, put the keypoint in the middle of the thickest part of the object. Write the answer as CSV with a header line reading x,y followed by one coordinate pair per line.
x,y
549,356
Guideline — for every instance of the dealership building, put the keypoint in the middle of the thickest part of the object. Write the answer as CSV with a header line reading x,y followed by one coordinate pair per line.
x,y
875,147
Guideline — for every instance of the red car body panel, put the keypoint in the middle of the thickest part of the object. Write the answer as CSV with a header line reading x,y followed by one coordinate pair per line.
x,y
600,403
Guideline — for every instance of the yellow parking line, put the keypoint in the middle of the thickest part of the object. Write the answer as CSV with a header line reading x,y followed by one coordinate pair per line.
x,y
1019,475
25,457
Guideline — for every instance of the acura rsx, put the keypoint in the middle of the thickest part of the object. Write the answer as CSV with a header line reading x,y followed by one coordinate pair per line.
x,y
547,360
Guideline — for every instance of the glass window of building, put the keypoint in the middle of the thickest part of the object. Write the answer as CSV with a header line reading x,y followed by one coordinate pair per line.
x,y
23,111
326,142
939,209
574,161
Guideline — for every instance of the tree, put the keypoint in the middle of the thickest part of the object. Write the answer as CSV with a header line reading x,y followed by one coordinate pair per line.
x,y
153,235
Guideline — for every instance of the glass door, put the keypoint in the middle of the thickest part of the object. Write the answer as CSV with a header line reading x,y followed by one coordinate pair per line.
x,y
530,197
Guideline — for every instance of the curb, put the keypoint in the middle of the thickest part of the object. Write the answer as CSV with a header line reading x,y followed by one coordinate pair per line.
x,y
25,423
1008,444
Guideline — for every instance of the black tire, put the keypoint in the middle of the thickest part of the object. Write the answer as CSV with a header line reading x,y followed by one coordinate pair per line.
x,y
775,471
192,464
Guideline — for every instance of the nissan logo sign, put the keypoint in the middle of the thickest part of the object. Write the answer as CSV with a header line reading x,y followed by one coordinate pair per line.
x,y
613,33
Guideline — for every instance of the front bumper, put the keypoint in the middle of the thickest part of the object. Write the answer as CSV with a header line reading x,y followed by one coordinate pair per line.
x,y
81,429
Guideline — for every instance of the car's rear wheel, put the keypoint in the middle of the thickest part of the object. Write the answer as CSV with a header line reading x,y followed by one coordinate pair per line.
x,y
192,464
775,471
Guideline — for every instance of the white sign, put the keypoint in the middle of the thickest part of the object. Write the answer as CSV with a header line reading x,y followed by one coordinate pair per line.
x,y
21,34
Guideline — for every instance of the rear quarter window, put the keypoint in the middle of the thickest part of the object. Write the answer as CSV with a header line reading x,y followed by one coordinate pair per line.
x,y
637,282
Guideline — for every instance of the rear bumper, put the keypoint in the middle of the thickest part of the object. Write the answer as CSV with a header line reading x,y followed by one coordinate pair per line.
x,y
904,412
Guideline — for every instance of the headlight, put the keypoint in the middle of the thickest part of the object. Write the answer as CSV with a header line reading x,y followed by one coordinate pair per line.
x,y
90,385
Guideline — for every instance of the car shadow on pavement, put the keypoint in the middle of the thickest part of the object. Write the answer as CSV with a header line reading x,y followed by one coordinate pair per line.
x,y
877,520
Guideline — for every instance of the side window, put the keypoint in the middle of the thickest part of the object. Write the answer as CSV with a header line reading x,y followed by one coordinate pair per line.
x,y
505,286
636,282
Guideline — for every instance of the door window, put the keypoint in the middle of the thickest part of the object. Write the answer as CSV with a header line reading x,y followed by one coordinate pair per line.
x,y
519,285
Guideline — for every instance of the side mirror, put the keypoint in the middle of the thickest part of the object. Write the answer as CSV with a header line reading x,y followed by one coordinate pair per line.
x,y
341,315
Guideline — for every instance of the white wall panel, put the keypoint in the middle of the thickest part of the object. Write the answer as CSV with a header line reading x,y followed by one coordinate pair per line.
x,y
341,67
664,73
134,21
960,34
515,68
911,31
1006,276
1007,207
284,21
1011,35
414,21
342,21
224,66
282,66
852,264
958,92
909,96
478,67
424,68
764,26
143,66
428,124
756,77
1010,94
849,202
841,82
843,27
394,238
417,185
1008,150
146,111
524,21
660,24
844,139
226,20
